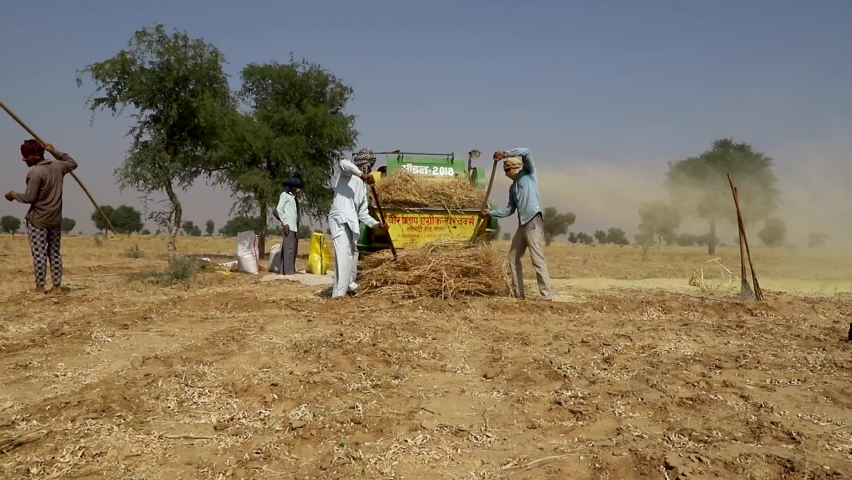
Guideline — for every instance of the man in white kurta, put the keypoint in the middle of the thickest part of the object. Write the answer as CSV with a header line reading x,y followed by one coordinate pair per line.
x,y
347,208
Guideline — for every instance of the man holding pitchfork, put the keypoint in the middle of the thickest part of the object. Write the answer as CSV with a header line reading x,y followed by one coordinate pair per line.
x,y
526,200
44,218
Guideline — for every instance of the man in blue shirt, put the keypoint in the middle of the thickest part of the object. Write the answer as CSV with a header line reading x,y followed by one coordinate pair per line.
x,y
526,201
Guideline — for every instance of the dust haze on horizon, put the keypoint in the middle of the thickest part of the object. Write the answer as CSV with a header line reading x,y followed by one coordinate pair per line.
x,y
812,182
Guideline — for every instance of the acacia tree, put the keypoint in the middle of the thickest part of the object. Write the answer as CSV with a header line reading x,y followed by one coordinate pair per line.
x,y
10,224
98,219
180,99
296,124
699,186
658,219
556,223
773,233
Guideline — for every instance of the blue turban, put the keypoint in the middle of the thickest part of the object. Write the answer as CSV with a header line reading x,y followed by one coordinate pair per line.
x,y
292,183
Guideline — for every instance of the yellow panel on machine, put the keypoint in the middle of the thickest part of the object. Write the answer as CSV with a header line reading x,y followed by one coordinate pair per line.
x,y
417,227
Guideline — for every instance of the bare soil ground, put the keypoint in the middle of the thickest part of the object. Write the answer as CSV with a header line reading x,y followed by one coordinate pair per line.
x,y
228,377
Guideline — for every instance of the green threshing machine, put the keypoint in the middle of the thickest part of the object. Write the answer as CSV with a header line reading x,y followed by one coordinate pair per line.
x,y
414,227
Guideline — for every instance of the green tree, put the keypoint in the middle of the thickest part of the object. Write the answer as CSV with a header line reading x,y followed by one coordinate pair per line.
x,y
182,103
685,240
817,239
67,225
126,219
209,227
556,223
187,227
700,189
146,232
585,238
297,123
98,220
240,223
304,232
600,236
617,237
196,231
10,224
658,220
773,233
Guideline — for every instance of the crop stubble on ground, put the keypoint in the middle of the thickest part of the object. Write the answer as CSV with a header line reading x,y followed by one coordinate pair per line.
x,y
230,378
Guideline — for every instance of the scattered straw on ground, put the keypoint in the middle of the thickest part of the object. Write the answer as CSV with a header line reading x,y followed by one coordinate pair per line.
x,y
441,270
408,190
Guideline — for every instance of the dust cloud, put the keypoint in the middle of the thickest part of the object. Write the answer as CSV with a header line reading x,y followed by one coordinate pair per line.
x,y
813,182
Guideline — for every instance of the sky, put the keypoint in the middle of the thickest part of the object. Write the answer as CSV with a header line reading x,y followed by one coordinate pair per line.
x,y
603,93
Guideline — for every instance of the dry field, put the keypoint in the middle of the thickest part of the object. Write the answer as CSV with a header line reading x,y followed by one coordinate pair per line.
x,y
633,374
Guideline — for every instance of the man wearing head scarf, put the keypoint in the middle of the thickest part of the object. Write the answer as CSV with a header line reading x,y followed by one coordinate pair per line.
x,y
44,218
347,208
288,214
524,199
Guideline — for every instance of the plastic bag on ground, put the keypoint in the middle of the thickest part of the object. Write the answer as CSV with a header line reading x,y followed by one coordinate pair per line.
x,y
247,255
319,255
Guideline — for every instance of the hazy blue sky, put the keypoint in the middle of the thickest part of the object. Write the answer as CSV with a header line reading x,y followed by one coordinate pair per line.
x,y
602,92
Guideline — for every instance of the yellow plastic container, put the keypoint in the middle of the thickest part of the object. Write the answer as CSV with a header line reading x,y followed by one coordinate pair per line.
x,y
413,228
319,255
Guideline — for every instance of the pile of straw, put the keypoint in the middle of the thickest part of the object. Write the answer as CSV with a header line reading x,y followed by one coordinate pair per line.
x,y
408,190
445,270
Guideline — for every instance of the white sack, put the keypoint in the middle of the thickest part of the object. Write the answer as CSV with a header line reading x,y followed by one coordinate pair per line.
x,y
247,252
274,259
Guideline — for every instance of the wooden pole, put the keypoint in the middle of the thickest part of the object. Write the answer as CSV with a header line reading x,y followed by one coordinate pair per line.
x,y
85,190
758,294
382,216
745,289
485,200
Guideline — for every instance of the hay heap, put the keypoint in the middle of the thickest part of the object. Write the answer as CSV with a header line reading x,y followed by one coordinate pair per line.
x,y
408,190
445,270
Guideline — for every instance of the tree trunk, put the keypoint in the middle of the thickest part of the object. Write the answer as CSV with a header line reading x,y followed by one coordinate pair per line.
x,y
174,228
261,221
711,240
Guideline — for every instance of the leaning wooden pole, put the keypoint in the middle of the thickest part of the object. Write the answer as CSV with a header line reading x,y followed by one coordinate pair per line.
x,y
35,136
758,294
484,202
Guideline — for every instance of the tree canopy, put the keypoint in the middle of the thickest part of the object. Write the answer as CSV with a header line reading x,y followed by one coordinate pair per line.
x,y
658,220
10,224
773,233
181,102
240,223
67,225
556,223
125,219
296,124
209,227
700,189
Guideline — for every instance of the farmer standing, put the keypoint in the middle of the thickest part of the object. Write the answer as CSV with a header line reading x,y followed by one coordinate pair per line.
x,y
44,218
288,213
347,208
526,200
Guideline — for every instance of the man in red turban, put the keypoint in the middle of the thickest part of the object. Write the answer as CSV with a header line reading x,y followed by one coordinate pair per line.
x,y
44,218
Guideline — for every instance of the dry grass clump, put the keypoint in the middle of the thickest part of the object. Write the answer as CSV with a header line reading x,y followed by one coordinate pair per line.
x,y
407,190
446,270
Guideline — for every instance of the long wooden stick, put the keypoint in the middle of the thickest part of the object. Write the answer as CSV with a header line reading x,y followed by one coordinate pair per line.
x,y
28,129
382,216
745,289
485,200
758,294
